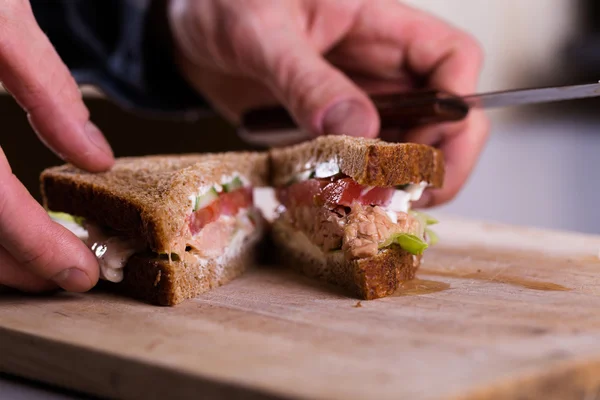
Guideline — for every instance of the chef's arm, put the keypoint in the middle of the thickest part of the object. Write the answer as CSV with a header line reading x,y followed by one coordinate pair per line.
x,y
123,47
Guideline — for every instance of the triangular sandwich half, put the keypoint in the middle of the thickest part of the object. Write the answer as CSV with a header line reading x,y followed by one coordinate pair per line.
x,y
345,214
166,228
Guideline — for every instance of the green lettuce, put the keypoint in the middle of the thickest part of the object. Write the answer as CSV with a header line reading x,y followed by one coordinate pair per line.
x,y
432,236
66,217
407,241
425,219
411,242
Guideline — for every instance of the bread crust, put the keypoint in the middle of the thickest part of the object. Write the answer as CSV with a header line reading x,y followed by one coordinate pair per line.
x,y
367,278
145,197
370,162
162,282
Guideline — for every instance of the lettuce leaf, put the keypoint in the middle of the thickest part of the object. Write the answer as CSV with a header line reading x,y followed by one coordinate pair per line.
x,y
425,219
432,236
407,241
66,217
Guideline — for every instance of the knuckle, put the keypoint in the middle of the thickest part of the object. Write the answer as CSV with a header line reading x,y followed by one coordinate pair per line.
x,y
10,9
301,85
246,30
39,256
66,89
260,15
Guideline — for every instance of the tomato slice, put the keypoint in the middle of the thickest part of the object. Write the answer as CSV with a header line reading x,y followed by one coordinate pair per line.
x,y
341,192
226,204
301,193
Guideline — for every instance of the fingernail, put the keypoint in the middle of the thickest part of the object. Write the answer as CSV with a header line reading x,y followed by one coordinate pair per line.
x,y
97,138
73,280
347,118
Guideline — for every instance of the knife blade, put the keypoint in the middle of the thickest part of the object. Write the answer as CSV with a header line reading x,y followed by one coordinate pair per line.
x,y
273,126
532,96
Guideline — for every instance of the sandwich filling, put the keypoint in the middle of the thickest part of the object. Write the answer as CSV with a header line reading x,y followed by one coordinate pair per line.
x,y
219,213
338,214
220,217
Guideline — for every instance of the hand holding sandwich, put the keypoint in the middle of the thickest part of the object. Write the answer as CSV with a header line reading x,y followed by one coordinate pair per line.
x,y
303,53
36,253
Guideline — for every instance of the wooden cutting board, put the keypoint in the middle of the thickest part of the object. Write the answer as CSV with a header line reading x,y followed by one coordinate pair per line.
x,y
498,312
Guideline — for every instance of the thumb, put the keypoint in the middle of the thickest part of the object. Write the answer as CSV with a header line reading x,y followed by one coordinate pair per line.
x,y
320,97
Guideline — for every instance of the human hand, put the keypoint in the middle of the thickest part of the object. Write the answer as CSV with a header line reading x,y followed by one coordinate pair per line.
x,y
37,254
319,58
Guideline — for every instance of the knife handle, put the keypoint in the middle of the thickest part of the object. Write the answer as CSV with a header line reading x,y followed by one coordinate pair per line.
x,y
398,110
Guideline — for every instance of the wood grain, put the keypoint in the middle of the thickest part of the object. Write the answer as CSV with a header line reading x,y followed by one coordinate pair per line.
x,y
498,312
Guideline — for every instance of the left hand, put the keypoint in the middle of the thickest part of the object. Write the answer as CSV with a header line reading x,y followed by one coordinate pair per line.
x,y
308,54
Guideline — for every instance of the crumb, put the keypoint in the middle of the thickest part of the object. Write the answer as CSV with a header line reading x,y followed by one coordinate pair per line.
x,y
357,305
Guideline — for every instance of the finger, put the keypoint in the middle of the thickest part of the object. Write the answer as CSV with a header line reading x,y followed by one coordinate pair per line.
x,y
15,276
417,42
34,74
320,97
231,95
403,83
38,244
380,60
450,60
461,150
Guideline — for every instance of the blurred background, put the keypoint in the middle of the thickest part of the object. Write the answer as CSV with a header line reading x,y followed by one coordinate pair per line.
x,y
539,167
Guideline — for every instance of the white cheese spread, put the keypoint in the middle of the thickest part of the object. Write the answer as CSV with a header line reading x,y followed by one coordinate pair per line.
x,y
401,199
327,169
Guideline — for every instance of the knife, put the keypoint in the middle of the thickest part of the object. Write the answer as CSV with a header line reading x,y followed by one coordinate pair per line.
x,y
273,126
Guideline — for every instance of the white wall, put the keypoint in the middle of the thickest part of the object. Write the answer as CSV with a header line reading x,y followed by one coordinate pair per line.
x,y
519,37
541,171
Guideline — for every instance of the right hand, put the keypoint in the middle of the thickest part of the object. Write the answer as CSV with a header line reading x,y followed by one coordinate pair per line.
x,y
308,55
37,254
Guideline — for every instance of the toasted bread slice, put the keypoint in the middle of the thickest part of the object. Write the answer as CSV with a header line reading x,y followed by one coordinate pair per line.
x,y
147,198
367,278
370,162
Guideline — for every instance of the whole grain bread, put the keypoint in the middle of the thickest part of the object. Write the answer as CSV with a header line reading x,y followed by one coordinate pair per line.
x,y
366,278
370,162
159,281
146,198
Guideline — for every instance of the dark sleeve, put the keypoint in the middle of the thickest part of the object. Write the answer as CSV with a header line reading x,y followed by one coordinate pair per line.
x,y
124,48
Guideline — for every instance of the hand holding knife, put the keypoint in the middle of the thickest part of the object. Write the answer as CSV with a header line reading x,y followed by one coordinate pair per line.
x,y
273,126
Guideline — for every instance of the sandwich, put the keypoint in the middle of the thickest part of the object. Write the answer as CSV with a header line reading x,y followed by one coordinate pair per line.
x,y
165,228
345,210
168,228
